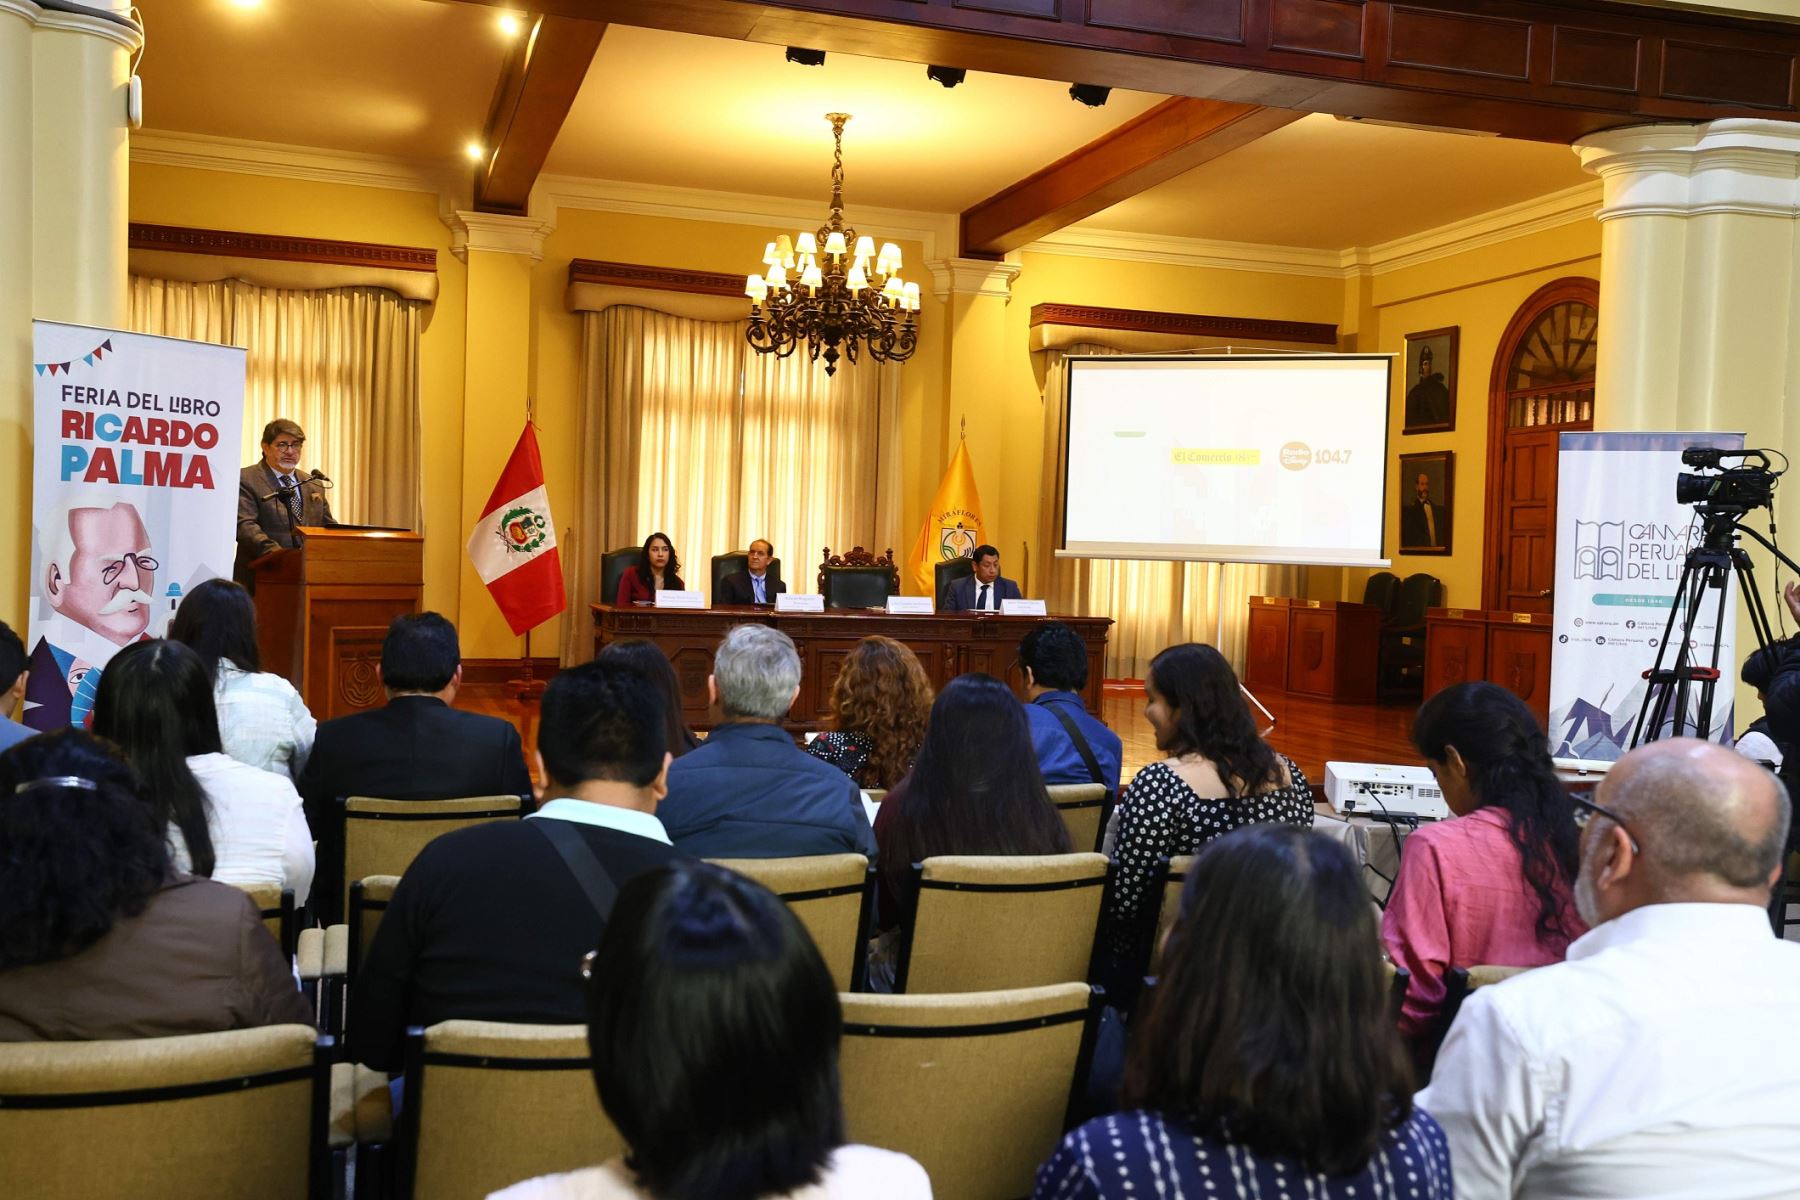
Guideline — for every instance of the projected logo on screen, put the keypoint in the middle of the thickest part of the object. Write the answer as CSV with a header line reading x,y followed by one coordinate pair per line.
x,y
1183,456
1296,456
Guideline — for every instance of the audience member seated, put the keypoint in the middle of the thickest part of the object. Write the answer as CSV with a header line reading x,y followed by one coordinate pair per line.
x,y
416,747
749,792
262,719
975,789
1072,745
1759,670
1266,1062
878,709
714,1028
99,936
1219,775
1495,883
12,687
1660,1059
491,921
225,820
657,570
648,660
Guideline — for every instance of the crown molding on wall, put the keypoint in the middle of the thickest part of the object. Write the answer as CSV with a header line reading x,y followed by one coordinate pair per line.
x,y
1190,252
206,152
1567,207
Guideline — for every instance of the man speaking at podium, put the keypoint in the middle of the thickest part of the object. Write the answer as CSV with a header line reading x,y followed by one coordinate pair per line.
x,y
275,496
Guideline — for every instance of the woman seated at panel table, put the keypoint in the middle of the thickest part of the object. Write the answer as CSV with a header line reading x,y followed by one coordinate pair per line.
x,y
1219,775
657,570
1494,884
1287,1079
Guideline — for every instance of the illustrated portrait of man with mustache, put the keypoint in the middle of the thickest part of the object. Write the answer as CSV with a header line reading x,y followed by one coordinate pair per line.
x,y
99,579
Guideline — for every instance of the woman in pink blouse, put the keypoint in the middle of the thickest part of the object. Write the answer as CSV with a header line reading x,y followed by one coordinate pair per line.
x,y
1494,885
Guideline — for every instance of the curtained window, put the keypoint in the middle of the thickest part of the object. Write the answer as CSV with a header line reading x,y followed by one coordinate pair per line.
x,y
686,430
343,362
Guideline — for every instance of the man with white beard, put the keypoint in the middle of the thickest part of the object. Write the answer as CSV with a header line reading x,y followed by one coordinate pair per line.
x,y
1661,1059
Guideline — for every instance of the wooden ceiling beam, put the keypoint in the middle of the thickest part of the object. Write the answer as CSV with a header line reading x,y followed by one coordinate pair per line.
x,y
1151,148
537,87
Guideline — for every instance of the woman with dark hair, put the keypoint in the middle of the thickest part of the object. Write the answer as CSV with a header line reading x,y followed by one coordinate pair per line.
x,y
657,570
99,937
714,1028
225,820
975,789
878,709
1266,1062
1494,884
1219,775
262,719
649,661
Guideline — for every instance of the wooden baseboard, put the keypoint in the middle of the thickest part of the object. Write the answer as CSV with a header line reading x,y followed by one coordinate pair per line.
x,y
497,672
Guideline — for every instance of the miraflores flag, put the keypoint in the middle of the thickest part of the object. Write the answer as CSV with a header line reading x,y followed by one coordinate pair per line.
x,y
513,546
953,523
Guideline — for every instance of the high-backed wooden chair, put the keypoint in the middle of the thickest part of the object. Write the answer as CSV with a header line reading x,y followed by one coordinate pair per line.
x,y
1084,810
978,1087
276,904
239,1113
858,579
977,923
489,1104
834,897
382,837
613,565
1401,659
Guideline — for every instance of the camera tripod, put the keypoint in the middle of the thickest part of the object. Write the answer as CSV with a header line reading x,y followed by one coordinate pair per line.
x,y
1665,710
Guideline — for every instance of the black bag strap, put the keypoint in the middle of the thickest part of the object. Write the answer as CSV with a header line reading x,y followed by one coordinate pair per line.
x,y
579,856
1081,743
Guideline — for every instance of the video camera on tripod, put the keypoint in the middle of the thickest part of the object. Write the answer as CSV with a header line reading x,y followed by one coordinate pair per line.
x,y
1735,490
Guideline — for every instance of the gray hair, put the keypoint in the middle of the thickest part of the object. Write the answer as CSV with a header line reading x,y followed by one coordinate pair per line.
x,y
757,671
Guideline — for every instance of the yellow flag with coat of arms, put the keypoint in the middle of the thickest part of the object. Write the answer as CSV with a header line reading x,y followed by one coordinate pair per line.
x,y
952,524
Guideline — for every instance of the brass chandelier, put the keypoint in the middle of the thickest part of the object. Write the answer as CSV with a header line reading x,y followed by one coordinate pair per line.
x,y
830,289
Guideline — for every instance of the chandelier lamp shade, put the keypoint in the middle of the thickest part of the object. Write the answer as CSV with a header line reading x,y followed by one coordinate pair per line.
x,y
831,292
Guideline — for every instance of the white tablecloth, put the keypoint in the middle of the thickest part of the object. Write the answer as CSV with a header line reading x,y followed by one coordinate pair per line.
x,y
1370,840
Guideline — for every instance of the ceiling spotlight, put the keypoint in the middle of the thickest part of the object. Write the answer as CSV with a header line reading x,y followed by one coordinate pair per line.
x,y
246,3
511,25
948,76
1089,94
805,57
475,151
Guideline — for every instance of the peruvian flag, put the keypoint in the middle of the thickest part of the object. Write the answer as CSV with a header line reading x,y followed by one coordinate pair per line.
x,y
513,546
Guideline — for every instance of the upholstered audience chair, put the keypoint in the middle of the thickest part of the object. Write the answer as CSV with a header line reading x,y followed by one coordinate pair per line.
x,y
834,897
1398,980
1458,983
239,1113
978,1087
979,922
1084,810
382,837
276,904
948,572
1174,878
613,565
858,579
489,1104
369,899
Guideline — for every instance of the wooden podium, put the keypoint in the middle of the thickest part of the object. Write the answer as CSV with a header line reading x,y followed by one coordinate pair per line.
x,y
1511,649
1324,648
323,609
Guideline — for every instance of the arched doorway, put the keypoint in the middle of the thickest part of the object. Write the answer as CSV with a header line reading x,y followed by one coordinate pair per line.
x,y
1542,386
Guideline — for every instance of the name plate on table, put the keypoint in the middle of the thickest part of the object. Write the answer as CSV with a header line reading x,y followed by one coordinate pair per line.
x,y
799,602
911,605
666,598
1022,608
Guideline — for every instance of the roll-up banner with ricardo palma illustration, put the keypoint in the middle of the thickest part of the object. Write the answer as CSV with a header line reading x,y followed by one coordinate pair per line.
x,y
1621,541
134,497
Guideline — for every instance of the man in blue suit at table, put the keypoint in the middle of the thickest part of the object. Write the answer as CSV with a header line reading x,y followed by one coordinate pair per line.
x,y
985,589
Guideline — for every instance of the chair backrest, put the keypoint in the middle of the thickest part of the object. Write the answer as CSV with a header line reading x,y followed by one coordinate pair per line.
x,y
1420,592
858,579
1084,810
976,923
834,897
948,572
368,901
731,564
276,904
489,1104
239,1113
1398,980
382,837
976,1087
1382,590
613,565
1174,877
1458,983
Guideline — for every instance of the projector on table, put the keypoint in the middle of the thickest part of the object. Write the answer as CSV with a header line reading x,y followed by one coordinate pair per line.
x,y
1382,789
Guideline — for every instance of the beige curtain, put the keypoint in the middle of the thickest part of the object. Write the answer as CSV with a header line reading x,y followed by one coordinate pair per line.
x,y
1152,604
344,363
684,430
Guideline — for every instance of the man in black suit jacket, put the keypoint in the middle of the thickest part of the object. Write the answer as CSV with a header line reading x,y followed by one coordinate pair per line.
x,y
415,748
492,922
275,497
757,585
985,589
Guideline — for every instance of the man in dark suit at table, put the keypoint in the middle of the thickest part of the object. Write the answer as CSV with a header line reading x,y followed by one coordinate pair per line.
x,y
757,584
985,589
275,497
416,747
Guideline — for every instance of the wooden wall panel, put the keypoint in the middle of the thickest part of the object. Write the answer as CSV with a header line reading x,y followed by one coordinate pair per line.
x,y
1023,8
1492,47
1727,75
1214,20
1329,27
1591,59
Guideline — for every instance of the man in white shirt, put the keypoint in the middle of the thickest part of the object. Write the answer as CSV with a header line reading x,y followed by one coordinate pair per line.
x,y
1661,1059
